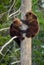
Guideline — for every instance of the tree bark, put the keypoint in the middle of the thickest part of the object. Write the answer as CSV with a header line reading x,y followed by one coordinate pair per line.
x,y
26,43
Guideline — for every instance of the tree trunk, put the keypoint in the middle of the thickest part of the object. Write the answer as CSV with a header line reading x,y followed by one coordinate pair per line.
x,y
26,44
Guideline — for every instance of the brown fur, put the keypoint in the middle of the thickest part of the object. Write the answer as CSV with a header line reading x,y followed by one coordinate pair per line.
x,y
15,30
32,23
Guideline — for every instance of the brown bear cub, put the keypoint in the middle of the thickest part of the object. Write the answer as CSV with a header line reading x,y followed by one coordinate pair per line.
x,y
31,27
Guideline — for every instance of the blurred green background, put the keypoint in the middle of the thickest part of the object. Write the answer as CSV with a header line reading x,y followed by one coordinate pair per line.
x,y
37,42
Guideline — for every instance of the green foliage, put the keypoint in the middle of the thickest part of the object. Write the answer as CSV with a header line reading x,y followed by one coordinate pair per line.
x,y
37,42
17,4
6,2
3,4
4,39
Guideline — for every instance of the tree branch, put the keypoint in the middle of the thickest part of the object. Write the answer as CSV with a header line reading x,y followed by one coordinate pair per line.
x,y
7,43
17,49
4,29
15,62
11,6
14,13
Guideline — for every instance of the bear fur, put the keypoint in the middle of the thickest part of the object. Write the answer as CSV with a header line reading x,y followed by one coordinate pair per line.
x,y
33,27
